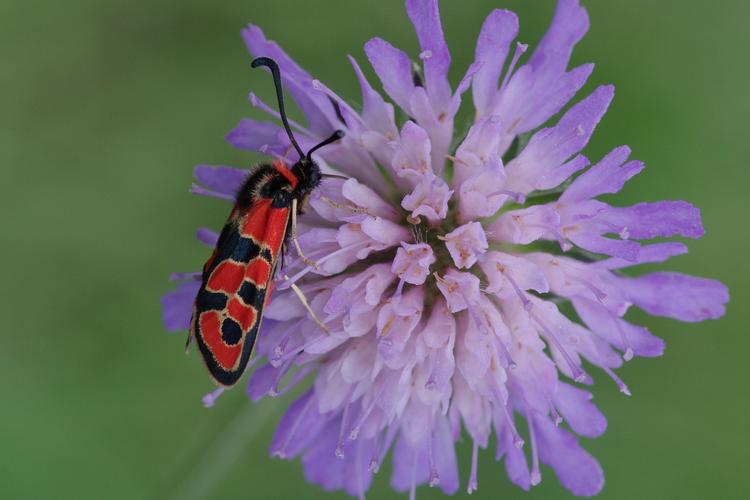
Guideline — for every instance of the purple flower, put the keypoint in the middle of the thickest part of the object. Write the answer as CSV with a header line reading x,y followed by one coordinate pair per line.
x,y
440,268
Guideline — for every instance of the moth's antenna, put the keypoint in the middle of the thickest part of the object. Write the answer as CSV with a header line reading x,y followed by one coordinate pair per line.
x,y
335,137
271,64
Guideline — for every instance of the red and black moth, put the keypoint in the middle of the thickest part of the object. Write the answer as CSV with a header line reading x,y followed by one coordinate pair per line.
x,y
238,277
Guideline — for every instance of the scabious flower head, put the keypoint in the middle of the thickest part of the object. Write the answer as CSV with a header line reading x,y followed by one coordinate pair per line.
x,y
441,268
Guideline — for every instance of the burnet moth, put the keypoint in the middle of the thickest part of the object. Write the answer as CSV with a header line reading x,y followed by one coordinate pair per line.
x,y
237,278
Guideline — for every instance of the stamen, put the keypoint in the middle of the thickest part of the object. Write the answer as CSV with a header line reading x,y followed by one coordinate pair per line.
x,y
434,479
280,374
210,399
536,475
290,281
293,352
374,465
623,388
413,488
339,451
473,484
296,378
354,432
520,50
564,244
399,289
556,418
518,441
519,198
600,295
527,305
504,354
358,472
379,452
628,354
578,374
475,315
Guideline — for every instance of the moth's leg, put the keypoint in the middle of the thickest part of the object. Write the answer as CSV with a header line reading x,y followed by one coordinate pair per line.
x,y
351,208
294,237
301,296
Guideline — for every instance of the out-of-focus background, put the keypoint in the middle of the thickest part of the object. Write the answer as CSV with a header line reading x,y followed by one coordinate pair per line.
x,y
106,106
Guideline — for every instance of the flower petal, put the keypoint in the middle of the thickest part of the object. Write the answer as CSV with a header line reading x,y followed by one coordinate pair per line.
x,y
539,166
393,67
498,31
678,296
177,306
607,176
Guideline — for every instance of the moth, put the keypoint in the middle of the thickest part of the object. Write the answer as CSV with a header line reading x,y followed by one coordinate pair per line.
x,y
237,279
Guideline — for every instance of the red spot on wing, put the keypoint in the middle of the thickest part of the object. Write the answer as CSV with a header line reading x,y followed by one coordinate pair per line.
x,y
242,314
268,294
266,225
227,278
258,272
226,356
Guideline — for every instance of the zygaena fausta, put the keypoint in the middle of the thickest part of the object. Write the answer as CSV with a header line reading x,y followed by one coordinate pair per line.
x,y
237,278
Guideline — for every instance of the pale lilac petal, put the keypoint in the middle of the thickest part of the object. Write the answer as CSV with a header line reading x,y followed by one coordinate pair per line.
x,y
483,194
526,225
226,180
321,466
258,136
362,196
535,167
607,176
498,32
678,296
659,219
412,262
207,236
444,456
531,99
459,289
577,470
316,106
298,427
393,67
577,409
568,26
515,461
466,244
429,199
658,252
508,274
624,249
375,111
177,306
425,17
616,331
411,159
410,465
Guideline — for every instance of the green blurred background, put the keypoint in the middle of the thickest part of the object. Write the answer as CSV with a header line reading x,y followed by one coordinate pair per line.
x,y
106,107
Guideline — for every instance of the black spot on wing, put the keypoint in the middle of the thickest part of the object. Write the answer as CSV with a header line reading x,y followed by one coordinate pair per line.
x,y
249,293
206,301
231,332
245,250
